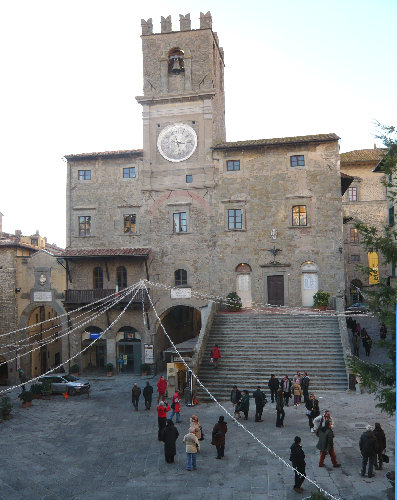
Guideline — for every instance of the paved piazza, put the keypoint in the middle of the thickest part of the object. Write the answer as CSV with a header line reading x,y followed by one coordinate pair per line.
x,y
99,448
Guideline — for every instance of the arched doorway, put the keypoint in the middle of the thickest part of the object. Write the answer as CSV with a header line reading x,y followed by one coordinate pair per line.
x,y
43,341
181,323
355,291
243,283
129,349
94,357
309,282
3,371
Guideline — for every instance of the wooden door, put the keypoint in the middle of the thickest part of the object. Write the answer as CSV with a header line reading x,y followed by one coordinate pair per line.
x,y
275,290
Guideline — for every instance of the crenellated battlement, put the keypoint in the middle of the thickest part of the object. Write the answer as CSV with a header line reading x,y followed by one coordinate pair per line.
x,y
184,23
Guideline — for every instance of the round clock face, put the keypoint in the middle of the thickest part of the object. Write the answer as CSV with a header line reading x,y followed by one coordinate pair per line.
x,y
177,142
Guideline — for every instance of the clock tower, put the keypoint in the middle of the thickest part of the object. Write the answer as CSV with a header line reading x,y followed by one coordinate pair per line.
x,y
183,103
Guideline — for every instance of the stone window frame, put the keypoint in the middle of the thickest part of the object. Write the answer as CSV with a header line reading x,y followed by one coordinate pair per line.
x,y
352,194
237,206
84,175
189,179
297,157
356,258
97,278
299,201
305,212
86,233
177,208
121,277
135,176
184,282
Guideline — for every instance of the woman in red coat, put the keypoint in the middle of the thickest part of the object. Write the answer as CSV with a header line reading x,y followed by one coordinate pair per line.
x,y
161,388
215,355
162,409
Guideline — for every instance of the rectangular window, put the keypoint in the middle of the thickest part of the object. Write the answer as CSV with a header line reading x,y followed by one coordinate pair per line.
x,y
391,216
354,237
299,215
235,219
352,194
84,175
297,161
189,179
84,225
129,173
180,222
130,223
354,258
232,165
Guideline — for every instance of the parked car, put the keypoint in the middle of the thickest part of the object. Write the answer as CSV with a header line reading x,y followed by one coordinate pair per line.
x,y
358,307
62,382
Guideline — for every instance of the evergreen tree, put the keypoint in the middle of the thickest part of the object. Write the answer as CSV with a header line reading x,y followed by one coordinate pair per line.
x,y
380,379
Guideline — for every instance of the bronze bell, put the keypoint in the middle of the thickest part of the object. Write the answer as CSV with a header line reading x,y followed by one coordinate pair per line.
x,y
176,66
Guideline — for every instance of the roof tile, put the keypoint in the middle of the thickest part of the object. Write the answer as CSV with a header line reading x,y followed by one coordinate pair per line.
x,y
106,252
362,155
277,141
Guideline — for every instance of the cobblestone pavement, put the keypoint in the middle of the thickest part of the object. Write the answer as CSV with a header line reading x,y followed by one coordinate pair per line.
x,y
99,448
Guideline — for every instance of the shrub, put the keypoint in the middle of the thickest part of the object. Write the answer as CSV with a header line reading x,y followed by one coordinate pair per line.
x,y
321,299
36,389
25,396
74,369
5,407
109,367
233,302
318,495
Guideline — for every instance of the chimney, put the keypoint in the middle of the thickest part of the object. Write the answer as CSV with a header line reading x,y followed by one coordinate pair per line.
x,y
1,223
374,147
37,232
18,233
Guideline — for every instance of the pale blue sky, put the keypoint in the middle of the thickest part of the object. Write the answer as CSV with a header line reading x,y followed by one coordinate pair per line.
x,y
71,70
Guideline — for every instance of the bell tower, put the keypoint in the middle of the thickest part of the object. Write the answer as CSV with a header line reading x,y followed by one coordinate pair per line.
x,y
183,102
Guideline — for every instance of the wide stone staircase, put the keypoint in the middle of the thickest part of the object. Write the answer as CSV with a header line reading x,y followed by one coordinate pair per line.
x,y
253,346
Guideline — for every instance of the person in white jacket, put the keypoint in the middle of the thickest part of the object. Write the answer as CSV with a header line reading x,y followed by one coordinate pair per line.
x,y
192,447
321,420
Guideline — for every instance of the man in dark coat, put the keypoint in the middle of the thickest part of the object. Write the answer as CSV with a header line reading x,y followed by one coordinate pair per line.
x,y
147,394
286,387
280,408
169,435
273,386
381,440
218,437
305,387
135,393
368,447
298,462
312,410
235,397
260,400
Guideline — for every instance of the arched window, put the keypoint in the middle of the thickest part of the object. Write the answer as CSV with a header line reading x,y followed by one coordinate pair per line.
x,y
122,277
176,64
180,277
98,277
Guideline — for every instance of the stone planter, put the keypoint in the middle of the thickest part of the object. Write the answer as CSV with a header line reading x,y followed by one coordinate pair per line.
x,y
109,374
27,404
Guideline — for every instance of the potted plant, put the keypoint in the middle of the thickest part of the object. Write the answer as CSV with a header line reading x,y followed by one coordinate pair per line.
x,y
317,495
36,390
109,369
321,300
145,369
26,398
74,370
46,389
233,302
5,407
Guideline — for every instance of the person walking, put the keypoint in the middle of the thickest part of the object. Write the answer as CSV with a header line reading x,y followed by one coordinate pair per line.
x,y
305,387
161,388
215,355
368,447
218,437
383,332
169,435
326,444
147,394
192,447
260,401
280,408
356,344
120,363
299,376
135,393
320,421
273,385
297,391
244,404
235,397
286,387
162,410
176,406
367,344
22,378
195,424
381,446
312,410
298,463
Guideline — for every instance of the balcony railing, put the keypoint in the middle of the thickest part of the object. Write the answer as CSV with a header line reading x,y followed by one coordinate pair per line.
x,y
93,295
